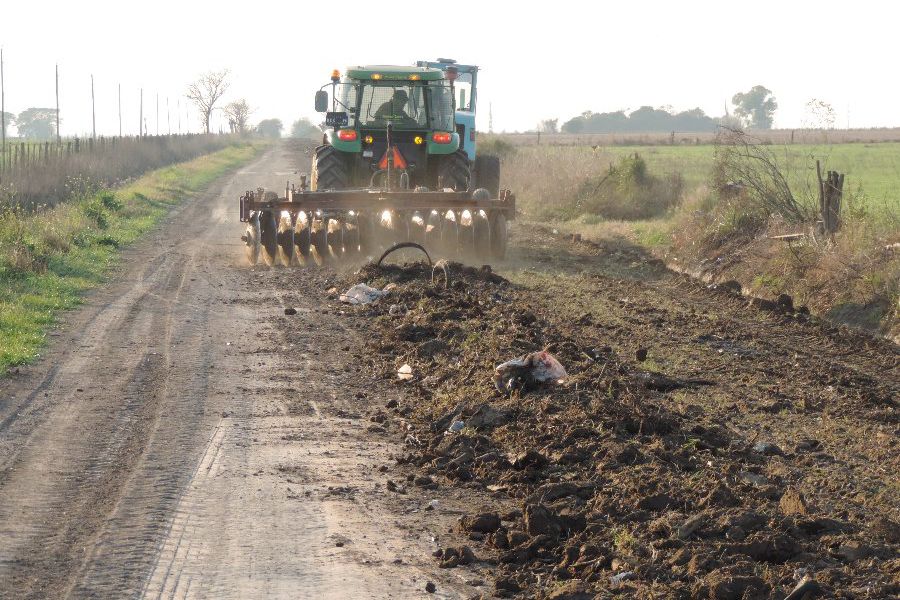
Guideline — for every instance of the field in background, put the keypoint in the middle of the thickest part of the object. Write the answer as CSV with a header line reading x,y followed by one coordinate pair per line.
x,y
853,277
773,136
547,175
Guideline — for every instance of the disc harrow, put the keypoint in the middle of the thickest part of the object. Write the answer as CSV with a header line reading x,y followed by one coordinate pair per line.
x,y
320,227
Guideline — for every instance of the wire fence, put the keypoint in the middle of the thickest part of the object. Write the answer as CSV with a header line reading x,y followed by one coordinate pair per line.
x,y
38,174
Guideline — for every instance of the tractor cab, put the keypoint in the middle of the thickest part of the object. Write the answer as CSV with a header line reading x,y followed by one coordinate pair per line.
x,y
465,84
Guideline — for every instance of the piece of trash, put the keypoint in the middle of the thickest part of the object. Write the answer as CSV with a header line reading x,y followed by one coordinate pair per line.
x,y
617,579
362,294
405,372
537,367
432,505
456,427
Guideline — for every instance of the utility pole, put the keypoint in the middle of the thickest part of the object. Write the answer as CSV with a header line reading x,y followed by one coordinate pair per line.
x,y
120,110
93,110
490,117
2,107
168,116
179,116
58,137
141,116
157,113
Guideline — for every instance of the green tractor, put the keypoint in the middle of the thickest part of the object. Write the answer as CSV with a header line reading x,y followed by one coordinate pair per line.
x,y
397,163
414,111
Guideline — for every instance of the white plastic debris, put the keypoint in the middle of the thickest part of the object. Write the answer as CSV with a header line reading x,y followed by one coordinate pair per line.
x,y
405,372
456,426
537,367
617,579
362,294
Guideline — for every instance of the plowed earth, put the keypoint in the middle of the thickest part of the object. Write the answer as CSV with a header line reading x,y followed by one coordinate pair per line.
x,y
703,445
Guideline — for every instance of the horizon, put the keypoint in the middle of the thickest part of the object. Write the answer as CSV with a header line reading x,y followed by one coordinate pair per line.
x,y
694,64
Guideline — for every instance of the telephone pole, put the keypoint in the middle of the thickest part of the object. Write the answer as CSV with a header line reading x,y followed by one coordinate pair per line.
x,y
58,136
93,110
141,116
157,113
2,107
120,110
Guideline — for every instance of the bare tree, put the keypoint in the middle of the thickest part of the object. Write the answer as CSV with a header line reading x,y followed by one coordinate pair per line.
x,y
206,91
238,113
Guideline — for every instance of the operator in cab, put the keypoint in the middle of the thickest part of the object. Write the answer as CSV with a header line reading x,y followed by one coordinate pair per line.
x,y
393,111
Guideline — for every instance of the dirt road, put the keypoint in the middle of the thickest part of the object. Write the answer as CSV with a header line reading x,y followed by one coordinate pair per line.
x,y
185,437
176,442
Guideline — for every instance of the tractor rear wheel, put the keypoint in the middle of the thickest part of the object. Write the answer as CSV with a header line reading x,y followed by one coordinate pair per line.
x,y
330,170
454,172
499,236
487,173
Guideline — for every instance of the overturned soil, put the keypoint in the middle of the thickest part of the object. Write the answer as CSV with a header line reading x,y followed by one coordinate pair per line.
x,y
703,445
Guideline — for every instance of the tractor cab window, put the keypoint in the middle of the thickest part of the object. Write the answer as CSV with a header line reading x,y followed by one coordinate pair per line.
x,y
463,88
441,107
346,100
401,105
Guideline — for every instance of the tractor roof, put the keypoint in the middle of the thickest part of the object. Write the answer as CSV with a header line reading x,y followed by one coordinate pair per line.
x,y
394,73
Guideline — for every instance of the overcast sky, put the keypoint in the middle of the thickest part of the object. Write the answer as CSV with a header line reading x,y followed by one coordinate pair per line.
x,y
537,63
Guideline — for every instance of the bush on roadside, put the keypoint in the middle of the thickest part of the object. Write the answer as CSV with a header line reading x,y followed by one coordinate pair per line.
x,y
627,191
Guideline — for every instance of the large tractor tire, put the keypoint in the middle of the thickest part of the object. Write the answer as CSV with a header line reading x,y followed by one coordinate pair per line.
x,y
487,173
330,170
454,172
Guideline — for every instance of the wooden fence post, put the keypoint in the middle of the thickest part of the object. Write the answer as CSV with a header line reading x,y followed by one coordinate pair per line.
x,y
831,193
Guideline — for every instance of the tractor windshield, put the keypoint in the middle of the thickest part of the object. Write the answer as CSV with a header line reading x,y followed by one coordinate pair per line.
x,y
406,106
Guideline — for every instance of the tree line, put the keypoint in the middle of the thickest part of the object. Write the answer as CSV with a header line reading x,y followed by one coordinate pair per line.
x,y
754,109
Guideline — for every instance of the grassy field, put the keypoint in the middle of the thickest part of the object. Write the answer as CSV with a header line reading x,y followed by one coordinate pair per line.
x,y
48,260
872,170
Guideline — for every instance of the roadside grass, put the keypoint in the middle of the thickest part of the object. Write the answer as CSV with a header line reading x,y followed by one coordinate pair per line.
x,y
852,277
50,258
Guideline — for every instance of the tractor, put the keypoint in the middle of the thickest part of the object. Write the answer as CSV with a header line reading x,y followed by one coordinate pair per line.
x,y
398,162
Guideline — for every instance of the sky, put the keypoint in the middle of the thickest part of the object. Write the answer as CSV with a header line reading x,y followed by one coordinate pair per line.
x,y
538,60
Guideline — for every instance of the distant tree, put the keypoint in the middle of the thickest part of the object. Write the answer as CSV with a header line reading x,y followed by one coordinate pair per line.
x,y
270,128
238,112
304,128
819,115
206,92
8,119
549,126
643,120
37,123
756,108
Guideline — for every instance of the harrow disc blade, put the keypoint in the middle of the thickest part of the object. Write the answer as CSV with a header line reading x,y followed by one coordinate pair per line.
x,y
269,237
481,230
320,240
286,240
303,235
351,235
336,237
499,237
251,240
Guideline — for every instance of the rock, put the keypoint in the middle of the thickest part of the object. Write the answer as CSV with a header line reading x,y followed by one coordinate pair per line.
x,y
456,426
540,520
453,557
887,530
655,502
392,404
487,522
806,589
793,503
430,587
571,590
767,448
488,417
506,585
290,311
690,526
852,551
730,583
529,458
